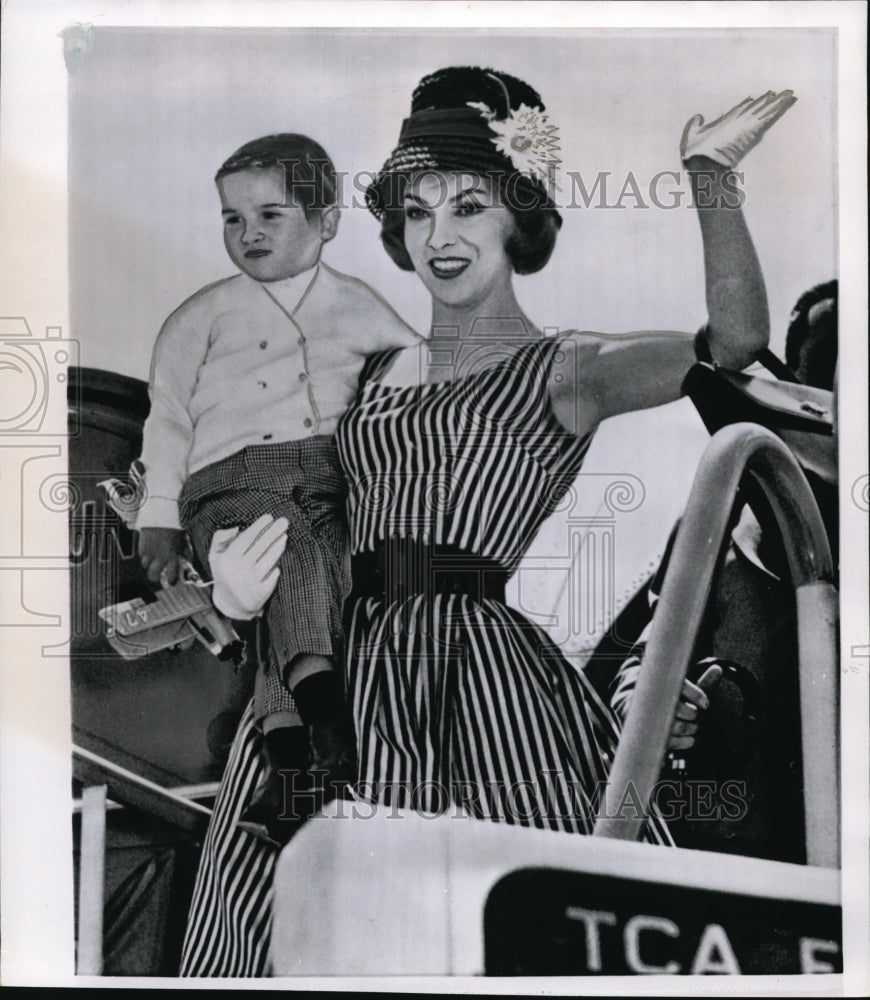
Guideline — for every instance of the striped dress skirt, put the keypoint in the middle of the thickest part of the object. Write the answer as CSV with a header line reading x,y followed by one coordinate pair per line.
x,y
459,702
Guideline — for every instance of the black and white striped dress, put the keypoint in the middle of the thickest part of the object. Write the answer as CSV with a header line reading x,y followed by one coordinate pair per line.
x,y
458,700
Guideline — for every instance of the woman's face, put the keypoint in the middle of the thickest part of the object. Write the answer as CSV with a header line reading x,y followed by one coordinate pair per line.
x,y
456,230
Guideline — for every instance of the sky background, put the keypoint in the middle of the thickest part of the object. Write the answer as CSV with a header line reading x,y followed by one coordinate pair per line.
x,y
154,112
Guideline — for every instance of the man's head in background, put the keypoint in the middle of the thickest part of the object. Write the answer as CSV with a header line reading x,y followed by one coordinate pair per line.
x,y
811,341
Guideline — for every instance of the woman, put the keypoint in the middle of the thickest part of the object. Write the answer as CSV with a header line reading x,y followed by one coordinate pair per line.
x,y
455,452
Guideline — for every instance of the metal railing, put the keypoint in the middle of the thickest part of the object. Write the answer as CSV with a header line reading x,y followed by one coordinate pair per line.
x,y
104,780
732,452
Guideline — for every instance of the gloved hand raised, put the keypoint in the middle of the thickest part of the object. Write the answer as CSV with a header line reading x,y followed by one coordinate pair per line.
x,y
730,137
244,566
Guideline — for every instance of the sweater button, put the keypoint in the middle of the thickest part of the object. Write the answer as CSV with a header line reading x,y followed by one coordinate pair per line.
x,y
307,422
267,437
301,341
303,377
262,385
264,344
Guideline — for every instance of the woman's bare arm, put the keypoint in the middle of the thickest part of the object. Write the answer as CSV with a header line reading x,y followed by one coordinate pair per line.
x,y
595,376
605,375
598,376
738,322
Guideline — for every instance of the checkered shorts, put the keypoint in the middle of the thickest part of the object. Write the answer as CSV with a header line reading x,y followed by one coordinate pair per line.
x,y
302,481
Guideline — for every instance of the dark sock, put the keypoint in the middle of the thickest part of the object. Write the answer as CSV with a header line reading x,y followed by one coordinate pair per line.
x,y
319,696
287,748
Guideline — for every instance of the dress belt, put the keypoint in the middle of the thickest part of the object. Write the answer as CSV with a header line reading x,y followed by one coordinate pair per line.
x,y
401,568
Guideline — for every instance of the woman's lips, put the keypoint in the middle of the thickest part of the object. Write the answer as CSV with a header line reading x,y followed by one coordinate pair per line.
x,y
257,253
448,267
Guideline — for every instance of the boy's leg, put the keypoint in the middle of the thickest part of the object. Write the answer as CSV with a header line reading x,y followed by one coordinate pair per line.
x,y
285,737
305,624
285,742
321,735
318,691
305,612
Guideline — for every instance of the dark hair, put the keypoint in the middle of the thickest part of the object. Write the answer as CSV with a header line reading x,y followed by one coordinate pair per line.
x,y
811,349
529,247
309,174
456,116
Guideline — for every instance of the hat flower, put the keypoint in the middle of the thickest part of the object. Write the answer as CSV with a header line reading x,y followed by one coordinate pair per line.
x,y
526,138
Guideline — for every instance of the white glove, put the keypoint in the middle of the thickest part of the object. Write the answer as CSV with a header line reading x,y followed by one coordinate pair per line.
x,y
728,139
244,566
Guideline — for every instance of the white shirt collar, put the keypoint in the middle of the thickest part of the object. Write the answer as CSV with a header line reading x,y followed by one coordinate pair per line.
x,y
289,291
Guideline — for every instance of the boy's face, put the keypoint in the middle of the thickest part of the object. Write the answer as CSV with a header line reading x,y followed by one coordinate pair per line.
x,y
266,236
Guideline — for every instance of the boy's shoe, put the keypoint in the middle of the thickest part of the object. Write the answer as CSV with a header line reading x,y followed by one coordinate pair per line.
x,y
321,703
334,765
274,813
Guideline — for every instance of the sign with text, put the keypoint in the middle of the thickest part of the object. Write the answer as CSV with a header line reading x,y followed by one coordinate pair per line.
x,y
540,922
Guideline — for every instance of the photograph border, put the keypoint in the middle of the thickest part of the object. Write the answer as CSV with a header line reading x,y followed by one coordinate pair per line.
x,y
36,915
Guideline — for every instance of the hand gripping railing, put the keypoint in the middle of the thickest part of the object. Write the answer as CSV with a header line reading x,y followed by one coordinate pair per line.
x,y
733,451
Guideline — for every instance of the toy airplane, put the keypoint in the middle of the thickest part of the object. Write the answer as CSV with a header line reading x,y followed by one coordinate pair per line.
x,y
179,614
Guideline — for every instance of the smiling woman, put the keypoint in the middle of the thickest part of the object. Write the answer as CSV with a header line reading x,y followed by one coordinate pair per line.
x,y
455,452
456,231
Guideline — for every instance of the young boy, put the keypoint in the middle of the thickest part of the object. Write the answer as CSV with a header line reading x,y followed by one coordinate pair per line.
x,y
249,377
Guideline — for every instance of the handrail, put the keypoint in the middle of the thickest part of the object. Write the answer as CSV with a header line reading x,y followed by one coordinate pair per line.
x,y
132,789
205,790
101,777
733,451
